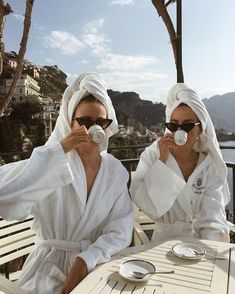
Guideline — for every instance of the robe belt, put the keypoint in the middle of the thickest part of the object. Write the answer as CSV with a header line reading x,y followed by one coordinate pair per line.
x,y
60,244
179,226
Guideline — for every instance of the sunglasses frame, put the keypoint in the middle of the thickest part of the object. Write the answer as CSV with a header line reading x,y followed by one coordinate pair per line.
x,y
90,122
183,127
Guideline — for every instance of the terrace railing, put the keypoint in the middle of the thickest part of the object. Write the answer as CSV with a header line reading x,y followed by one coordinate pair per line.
x,y
131,164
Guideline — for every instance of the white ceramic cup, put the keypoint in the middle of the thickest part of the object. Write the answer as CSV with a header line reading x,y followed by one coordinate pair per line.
x,y
97,133
180,137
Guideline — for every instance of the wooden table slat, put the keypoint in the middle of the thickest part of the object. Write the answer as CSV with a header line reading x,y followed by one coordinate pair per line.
x,y
202,276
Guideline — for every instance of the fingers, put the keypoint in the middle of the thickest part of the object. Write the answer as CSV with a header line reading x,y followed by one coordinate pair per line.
x,y
80,135
74,139
167,139
166,145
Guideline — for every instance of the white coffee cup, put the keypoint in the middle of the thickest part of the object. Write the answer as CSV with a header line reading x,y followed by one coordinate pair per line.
x,y
180,137
97,133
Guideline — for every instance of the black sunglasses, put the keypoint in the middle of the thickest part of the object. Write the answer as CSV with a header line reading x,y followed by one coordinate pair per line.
x,y
87,121
173,127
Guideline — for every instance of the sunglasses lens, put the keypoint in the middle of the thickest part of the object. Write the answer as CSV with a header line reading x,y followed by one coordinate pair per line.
x,y
88,122
85,121
104,122
172,127
187,127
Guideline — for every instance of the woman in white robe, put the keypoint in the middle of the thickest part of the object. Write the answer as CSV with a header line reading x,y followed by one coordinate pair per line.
x,y
75,190
184,188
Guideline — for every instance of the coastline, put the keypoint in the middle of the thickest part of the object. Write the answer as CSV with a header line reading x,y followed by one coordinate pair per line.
x,y
225,137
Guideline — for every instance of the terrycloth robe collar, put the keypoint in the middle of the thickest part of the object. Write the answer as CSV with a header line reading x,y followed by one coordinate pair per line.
x,y
181,93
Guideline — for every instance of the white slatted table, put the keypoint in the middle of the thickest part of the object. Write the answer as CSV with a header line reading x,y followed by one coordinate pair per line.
x,y
205,276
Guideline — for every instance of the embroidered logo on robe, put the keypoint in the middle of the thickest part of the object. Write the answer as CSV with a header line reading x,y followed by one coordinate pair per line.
x,y
198,188
199,182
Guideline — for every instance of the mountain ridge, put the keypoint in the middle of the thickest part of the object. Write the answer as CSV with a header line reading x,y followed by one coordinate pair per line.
x,y
129,106
221,109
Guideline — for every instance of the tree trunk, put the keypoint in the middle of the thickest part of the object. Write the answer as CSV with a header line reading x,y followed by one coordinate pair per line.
x,y
179,66
5,9
161,8
20,58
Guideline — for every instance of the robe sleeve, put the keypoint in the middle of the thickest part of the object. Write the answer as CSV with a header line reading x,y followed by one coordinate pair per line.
x,y
26,182
116,235
211,223
154,187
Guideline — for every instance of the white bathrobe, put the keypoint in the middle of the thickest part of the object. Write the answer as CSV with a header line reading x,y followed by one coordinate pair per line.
x,y
194,208
52,187
180,208
66,225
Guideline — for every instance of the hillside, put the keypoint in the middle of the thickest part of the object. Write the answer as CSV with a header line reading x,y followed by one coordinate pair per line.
x,y
221,109
130,109
52,81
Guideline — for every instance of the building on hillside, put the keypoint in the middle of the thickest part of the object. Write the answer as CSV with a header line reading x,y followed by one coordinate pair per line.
x,y
27,90
26,86
32,71
49,113
122,132
12,63
129,130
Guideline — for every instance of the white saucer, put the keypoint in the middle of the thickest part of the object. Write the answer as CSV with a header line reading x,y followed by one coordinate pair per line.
x,y
137,265
188,250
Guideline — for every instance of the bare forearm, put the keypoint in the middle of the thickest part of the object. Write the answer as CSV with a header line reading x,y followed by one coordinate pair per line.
x,y
77,273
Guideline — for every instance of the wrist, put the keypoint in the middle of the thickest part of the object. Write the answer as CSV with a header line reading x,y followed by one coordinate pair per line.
x,y
81,263
66,147
163,159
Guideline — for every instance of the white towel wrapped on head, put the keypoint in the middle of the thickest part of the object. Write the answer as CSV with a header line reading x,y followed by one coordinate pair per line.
x,y
85,84
181,93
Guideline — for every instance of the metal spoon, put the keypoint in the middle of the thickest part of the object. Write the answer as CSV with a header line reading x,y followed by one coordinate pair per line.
x,y
208,254
139,275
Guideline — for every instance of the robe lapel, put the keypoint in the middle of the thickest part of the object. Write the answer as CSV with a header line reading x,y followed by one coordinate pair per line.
x,y
100,199
79,182
183,196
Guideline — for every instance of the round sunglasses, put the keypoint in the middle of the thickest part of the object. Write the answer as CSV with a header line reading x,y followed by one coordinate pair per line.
x,y
87,121
173,127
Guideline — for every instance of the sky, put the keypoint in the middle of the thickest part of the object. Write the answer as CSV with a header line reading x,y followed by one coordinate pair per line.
x,y
127,43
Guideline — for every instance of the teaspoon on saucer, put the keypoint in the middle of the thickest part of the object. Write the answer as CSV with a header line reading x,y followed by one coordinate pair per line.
x,y
140,275
207,254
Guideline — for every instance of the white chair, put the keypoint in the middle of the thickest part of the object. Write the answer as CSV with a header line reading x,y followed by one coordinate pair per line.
x,y
8,287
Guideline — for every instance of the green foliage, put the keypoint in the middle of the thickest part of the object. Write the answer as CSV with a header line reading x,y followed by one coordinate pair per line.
x,y
10,135
25,111
7,72
19,126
